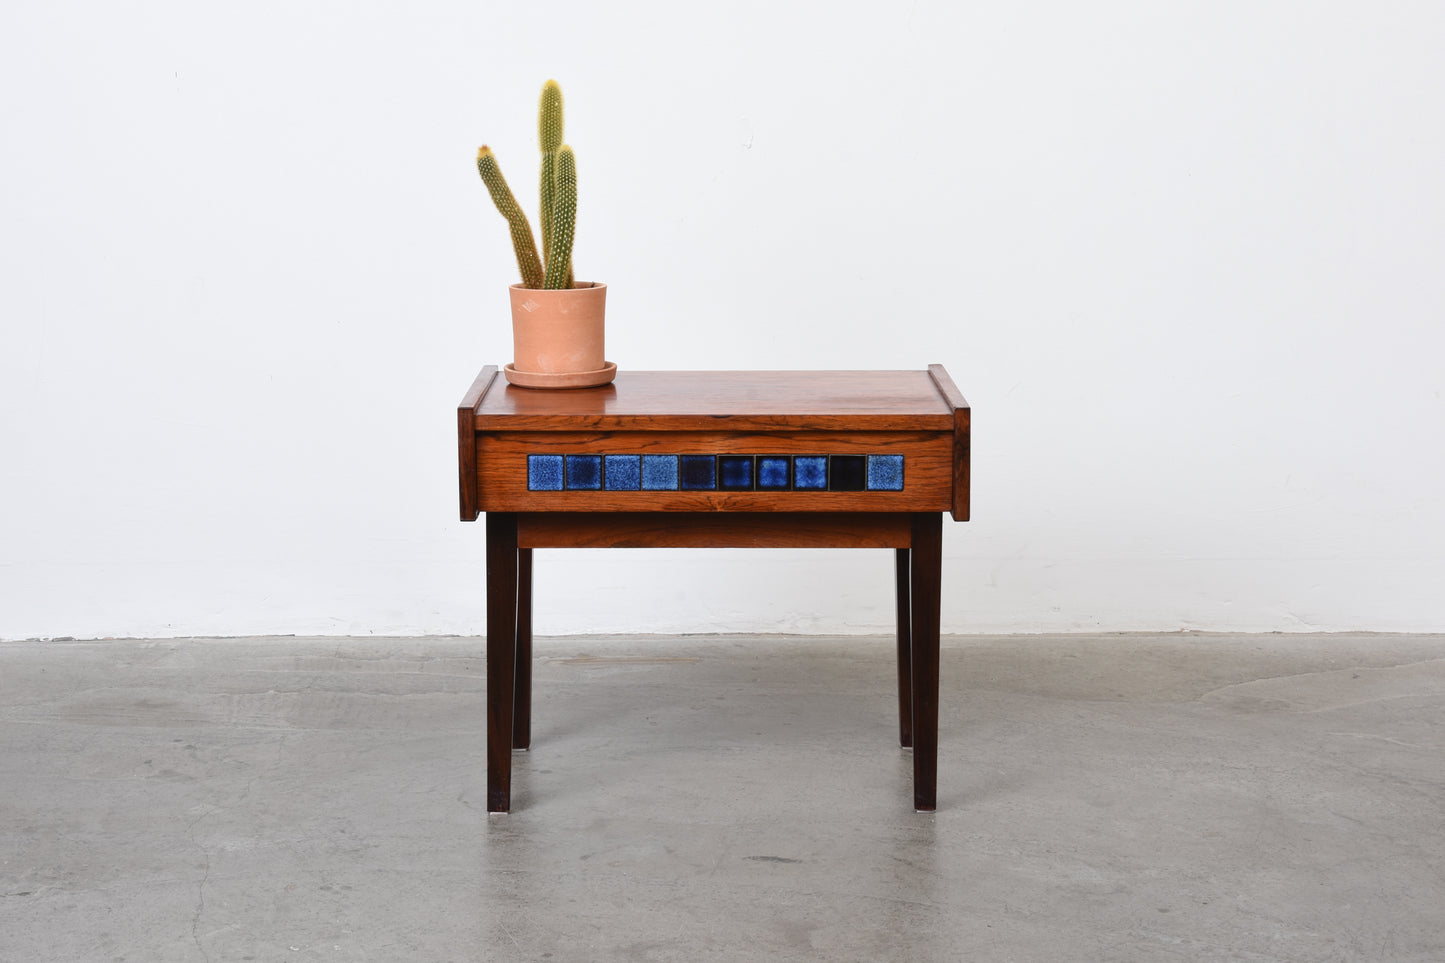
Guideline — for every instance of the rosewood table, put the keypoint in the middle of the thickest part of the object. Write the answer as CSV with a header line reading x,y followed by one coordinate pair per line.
x,y
714,459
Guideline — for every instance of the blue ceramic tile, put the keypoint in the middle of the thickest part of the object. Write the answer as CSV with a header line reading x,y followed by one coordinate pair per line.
x,y
735,472
659,473
584,472
885,473
773,472
699,472
544,473
847,473
810,473
624,473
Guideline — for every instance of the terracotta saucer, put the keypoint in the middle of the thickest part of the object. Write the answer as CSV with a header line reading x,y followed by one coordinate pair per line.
x,y
569,379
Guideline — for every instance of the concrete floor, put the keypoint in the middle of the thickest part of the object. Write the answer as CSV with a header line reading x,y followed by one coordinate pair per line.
x,y
725,798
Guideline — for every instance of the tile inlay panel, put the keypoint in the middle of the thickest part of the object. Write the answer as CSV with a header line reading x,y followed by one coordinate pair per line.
x,y
727,473
684,471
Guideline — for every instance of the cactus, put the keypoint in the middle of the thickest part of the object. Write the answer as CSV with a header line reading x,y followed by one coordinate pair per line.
x,y
549,135
564,220
558,198
522,242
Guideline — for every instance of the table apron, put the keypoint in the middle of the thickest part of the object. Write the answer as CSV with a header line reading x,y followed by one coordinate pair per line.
x,y
713,530
501,470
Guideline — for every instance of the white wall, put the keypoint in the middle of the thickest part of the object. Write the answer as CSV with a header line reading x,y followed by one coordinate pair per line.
x,y
1185,260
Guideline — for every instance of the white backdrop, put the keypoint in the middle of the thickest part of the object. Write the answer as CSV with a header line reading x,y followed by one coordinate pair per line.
x,y
1185,260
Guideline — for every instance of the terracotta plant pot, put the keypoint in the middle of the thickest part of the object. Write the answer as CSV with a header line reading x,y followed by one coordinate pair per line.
x,y
557,337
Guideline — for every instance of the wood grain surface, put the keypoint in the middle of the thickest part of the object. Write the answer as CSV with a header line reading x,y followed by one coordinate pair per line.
x,y
746,400
919,414
466,441
927,472
713,530
961,428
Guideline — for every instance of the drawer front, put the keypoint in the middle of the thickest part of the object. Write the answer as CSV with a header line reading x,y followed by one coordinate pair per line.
x,y
692,471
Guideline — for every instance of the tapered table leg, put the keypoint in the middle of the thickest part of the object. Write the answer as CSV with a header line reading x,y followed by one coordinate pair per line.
x,y
502,566
905,651
926,566
522,713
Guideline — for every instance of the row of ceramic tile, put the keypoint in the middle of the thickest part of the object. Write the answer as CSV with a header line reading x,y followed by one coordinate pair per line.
x,y
729,473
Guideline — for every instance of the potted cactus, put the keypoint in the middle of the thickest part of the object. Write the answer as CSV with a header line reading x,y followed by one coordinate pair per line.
x,y
557,323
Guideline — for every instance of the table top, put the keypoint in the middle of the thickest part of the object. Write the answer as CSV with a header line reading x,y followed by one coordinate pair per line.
x,y
718,441
682,400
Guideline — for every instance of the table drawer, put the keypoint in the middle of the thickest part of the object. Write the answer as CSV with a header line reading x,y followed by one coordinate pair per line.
x,y
690,471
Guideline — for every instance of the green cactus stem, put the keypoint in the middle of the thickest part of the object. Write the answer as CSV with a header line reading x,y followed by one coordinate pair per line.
x,y
564,221
522,241
549,117
549,133
549,202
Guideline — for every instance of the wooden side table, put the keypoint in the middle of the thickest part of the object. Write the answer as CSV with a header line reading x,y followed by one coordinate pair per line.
x,y
713,459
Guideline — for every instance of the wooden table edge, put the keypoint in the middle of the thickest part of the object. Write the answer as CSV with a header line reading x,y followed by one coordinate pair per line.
x,y
962,422
469,494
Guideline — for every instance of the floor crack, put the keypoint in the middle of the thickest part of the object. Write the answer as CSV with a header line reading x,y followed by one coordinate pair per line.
x,y
201,886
